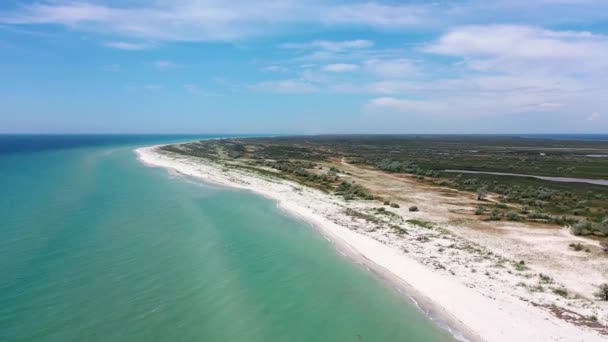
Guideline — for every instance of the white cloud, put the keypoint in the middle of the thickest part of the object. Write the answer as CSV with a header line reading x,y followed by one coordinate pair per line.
x,y
549,105
514,47
503,69
164,65
153,87
127,46
405,106
275,68
475,103
377,15
286,86
593,117
340,67
477,69
391,68
213,20
197,90
204,20
328,45
314,76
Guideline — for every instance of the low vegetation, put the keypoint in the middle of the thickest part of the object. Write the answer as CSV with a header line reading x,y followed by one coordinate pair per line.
x,y
602,293
582,207
420,223
576,246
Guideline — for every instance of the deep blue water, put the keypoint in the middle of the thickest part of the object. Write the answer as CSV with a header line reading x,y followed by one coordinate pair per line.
x,y
20,143
587,137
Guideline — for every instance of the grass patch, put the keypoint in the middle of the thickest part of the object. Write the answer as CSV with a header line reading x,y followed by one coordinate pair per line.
x,y
421,223
560,291
520,266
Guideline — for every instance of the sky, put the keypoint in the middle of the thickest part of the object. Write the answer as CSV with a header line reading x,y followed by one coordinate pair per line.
x,y
303,67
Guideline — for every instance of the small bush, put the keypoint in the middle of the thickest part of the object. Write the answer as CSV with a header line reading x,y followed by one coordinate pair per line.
x,y
576,246
420,223
387,202
480,210
413,208
560,291
545,279
538,216
581,228
604,246
482,193
394,205
520,266
495,215
602,294
513,216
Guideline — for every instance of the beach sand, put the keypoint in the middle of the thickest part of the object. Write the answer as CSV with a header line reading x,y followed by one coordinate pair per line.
x,y
471,309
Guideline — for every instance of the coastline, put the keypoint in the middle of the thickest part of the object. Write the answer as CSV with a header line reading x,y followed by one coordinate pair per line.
x,y
460,308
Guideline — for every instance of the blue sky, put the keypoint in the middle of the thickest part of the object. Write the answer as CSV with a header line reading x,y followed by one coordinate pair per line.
x,y
208,66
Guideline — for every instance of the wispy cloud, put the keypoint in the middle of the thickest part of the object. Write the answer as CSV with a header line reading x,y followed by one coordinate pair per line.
x,y
164,65
329,45
275,68
286,86
340,67
504,47
206,20
391,68
127,46
212,20
153,87
462,64
197,90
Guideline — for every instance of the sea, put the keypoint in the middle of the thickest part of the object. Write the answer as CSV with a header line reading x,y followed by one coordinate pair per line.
x,y
96,246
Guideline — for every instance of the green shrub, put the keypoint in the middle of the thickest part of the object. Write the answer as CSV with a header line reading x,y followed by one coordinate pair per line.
x,y
545,279
560,291
520,266
538,216
581,228
394,205
513,216
413,208
495,215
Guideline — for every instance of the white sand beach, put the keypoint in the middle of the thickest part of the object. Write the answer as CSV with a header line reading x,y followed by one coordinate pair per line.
x,y
477,304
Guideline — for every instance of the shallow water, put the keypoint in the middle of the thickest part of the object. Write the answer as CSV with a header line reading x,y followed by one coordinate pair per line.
x,y
96,246
547,178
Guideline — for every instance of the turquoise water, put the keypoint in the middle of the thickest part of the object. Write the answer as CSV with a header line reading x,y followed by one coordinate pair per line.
x,y
95,246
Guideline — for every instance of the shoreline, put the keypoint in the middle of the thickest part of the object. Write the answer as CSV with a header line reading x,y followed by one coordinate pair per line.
x,y
454,306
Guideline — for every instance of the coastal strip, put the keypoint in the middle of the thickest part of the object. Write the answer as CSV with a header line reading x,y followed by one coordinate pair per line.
x,y
470,311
